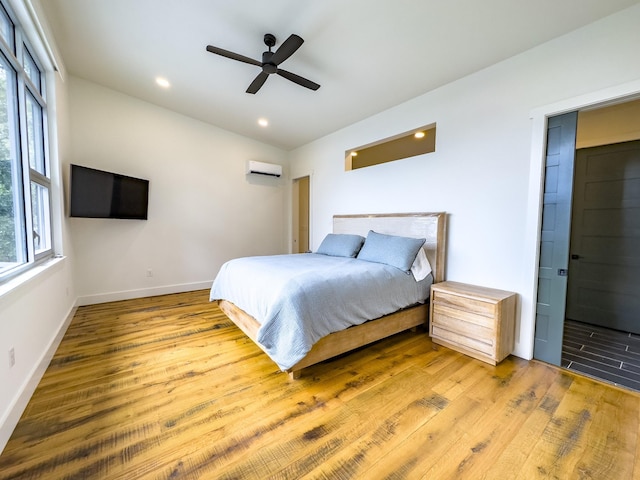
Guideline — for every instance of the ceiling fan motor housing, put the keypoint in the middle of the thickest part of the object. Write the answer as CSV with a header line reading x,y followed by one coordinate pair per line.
x,y
267,66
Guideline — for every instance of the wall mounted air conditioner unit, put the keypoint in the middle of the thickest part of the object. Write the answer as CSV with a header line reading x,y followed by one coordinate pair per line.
x,y
262,168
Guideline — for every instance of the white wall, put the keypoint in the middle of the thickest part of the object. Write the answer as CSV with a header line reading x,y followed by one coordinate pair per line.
x,y
480,172
203,209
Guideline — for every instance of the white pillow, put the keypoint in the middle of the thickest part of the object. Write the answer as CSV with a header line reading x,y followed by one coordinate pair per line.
x,y
421,267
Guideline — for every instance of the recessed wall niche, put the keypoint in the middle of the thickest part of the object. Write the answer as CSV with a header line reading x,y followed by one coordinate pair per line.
x,y
409,144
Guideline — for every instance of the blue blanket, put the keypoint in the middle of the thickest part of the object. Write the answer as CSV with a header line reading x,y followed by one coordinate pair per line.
x,y
298,299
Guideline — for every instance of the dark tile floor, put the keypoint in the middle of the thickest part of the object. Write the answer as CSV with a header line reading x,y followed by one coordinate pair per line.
x,y
609,355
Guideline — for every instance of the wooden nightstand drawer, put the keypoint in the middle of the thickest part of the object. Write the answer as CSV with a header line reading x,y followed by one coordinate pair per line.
x,y
464,316
465,303
464,340
471,325
477,321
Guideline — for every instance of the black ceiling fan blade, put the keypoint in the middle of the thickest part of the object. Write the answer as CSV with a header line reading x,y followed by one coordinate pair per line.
x,y
232,55
258,82
287,49
298,79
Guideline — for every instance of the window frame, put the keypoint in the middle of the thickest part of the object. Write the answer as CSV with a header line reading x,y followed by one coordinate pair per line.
x,y
20,56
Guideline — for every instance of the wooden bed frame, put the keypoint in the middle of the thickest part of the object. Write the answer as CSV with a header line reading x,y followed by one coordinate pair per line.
x,y
431,226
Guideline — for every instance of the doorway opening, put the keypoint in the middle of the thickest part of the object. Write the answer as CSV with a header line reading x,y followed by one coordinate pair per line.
x,y
602,325
300,215
599,319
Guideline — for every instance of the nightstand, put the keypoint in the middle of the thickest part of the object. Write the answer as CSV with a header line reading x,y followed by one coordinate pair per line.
x,y
476,321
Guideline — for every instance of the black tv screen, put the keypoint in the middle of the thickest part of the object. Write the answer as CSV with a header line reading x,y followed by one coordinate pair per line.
x,y
99,194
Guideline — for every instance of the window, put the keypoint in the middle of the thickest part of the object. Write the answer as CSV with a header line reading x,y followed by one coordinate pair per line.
x,y
25,182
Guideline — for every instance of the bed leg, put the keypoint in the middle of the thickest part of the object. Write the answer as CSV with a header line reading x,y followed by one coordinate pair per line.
x,y
295,374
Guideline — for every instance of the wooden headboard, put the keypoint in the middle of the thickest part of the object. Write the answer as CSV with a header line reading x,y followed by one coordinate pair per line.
x,y
431,226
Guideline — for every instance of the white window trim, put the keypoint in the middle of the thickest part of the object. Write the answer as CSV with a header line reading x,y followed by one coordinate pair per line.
x,y
33,35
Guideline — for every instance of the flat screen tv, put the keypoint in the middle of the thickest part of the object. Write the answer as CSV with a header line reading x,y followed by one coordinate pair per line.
x,y
100,194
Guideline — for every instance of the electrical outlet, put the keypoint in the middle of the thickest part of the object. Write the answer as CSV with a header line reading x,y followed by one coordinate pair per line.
x,y
12,357
149,272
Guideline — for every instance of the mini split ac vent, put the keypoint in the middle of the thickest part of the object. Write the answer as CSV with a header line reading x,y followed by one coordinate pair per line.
x,y
261,168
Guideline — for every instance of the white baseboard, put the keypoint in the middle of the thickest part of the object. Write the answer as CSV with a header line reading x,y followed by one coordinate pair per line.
x,y
140,293
15,411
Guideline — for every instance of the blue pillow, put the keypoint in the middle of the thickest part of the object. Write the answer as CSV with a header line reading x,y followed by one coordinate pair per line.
x,y
399,252
341,245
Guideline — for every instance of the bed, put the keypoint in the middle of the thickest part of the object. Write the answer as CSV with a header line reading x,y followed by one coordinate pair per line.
x,y
345,320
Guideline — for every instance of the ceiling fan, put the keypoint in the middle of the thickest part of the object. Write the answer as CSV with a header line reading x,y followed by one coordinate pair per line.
x,y
270,61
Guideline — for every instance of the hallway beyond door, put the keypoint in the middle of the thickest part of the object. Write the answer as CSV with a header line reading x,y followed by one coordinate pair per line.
x,y
609,355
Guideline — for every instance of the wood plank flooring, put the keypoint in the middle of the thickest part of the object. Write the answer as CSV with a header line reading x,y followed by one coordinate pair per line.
x,y
168,388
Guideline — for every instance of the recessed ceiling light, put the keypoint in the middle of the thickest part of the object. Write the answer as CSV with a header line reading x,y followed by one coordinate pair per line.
x,y
263,122
419,134
354,154
163,82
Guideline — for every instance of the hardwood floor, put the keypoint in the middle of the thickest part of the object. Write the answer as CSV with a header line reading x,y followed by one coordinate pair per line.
x,y
167,387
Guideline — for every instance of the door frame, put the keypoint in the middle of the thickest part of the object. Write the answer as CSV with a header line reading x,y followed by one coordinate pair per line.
x,y
539,116
293,208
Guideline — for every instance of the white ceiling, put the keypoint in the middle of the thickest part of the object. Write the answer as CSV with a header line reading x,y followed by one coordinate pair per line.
x,y
366,55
